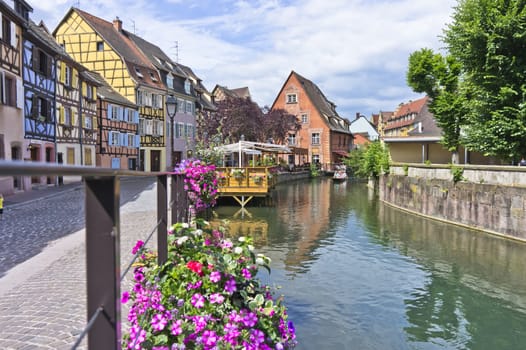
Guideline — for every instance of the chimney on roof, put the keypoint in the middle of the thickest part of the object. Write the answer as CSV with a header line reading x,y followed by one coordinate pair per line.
x,y
117,24
357,115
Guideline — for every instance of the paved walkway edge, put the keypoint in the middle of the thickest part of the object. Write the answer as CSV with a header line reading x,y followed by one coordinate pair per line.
x,y
37,264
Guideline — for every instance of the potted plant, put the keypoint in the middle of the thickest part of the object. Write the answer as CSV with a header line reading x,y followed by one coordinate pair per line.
x,y
238,174
206,296
258,179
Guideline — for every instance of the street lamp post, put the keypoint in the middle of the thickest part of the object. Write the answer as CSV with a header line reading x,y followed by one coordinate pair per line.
x,y
171,111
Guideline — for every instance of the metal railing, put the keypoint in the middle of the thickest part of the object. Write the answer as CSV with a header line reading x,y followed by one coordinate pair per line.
x,y
102,213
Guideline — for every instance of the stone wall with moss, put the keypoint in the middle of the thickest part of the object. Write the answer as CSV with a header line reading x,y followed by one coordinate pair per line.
x,y
484,206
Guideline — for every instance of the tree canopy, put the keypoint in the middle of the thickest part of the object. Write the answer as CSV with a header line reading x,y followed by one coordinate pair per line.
x,y
488,38
236,116
439,77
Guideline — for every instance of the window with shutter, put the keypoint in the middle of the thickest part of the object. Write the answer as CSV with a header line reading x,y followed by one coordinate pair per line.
x,y
141,126
19,93
87,156
61,117
67,116
6,30
14,38
108,113
62,73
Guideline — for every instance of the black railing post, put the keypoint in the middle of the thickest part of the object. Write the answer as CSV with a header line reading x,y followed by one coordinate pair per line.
x,y
178,199
103,260
162,217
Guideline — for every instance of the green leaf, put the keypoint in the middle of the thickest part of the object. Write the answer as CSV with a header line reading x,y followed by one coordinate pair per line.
x,y
259,299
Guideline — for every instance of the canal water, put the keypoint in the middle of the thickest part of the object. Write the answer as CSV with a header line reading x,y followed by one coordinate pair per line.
x,y
357,274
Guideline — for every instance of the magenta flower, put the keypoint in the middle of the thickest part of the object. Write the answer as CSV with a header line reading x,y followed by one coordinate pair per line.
x,y
137,247
209,338
125,297
246,273
200,323
177,327
159,322
257,337
250,319
216,298
198,300
230,286
215,276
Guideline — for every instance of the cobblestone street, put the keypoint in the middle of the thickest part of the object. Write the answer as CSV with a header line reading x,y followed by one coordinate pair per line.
x,y
43,299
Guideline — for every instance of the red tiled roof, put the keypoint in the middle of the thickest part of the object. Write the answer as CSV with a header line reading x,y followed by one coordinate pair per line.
x,y
410,108
360,140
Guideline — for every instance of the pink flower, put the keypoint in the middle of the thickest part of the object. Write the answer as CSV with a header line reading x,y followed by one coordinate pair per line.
x,y
215,276
176,327
125,297
159,322
230,286
216,298
246,273
198,300
137,247
210,338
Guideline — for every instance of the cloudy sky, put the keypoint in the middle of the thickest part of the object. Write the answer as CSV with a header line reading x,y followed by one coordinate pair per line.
x,y
356,51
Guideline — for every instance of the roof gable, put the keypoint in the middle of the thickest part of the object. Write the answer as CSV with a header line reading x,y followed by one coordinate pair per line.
x,y
325,108
140,68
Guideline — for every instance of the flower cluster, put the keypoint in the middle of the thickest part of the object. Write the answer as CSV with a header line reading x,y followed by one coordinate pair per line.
x,y
257,178
200,183
237,173
205,297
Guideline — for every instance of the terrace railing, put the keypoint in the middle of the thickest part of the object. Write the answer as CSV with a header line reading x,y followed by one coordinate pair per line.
x,y
102,213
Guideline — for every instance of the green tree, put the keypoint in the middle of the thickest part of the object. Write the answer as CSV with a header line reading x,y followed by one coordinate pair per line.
x,y
488,37
369,162
440,78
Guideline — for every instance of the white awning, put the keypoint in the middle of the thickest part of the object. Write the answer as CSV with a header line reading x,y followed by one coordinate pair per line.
x,y
249,147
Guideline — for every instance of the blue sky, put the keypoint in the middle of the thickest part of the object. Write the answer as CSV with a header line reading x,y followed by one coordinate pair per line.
x,y
356,51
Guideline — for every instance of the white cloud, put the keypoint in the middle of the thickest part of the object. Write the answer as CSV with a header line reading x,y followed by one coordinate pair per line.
x,y
355,50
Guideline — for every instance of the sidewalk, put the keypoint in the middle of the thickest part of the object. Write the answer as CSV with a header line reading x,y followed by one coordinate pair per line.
x,y
19,198
43,300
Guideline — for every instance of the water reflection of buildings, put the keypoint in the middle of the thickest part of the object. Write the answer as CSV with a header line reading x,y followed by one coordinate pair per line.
x,y
469,274
298,223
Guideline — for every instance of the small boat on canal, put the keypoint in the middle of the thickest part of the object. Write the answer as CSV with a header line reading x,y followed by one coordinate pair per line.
x,y
340,173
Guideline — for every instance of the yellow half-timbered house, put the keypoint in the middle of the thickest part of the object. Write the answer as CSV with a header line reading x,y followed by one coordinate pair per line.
x,y
105,47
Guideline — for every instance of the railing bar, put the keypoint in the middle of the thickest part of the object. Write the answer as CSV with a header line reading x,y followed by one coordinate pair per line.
x,y
88,327
137,254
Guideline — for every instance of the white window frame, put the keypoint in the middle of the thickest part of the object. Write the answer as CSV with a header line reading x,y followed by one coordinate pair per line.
x,y
292,98
315,138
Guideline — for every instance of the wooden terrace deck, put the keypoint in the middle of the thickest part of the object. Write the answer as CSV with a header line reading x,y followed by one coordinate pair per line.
x,y
245,183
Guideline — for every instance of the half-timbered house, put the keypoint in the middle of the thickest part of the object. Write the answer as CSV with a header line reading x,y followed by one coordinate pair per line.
x,y
12,145
76,106
118,140
106,48
204,106
39,69
182,132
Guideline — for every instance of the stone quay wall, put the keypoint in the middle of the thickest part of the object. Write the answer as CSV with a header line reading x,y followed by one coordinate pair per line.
x,y
489,198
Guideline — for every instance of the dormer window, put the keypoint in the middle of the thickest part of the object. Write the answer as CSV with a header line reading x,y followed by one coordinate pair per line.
x,y
170,81
187,86
138,72
152,76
